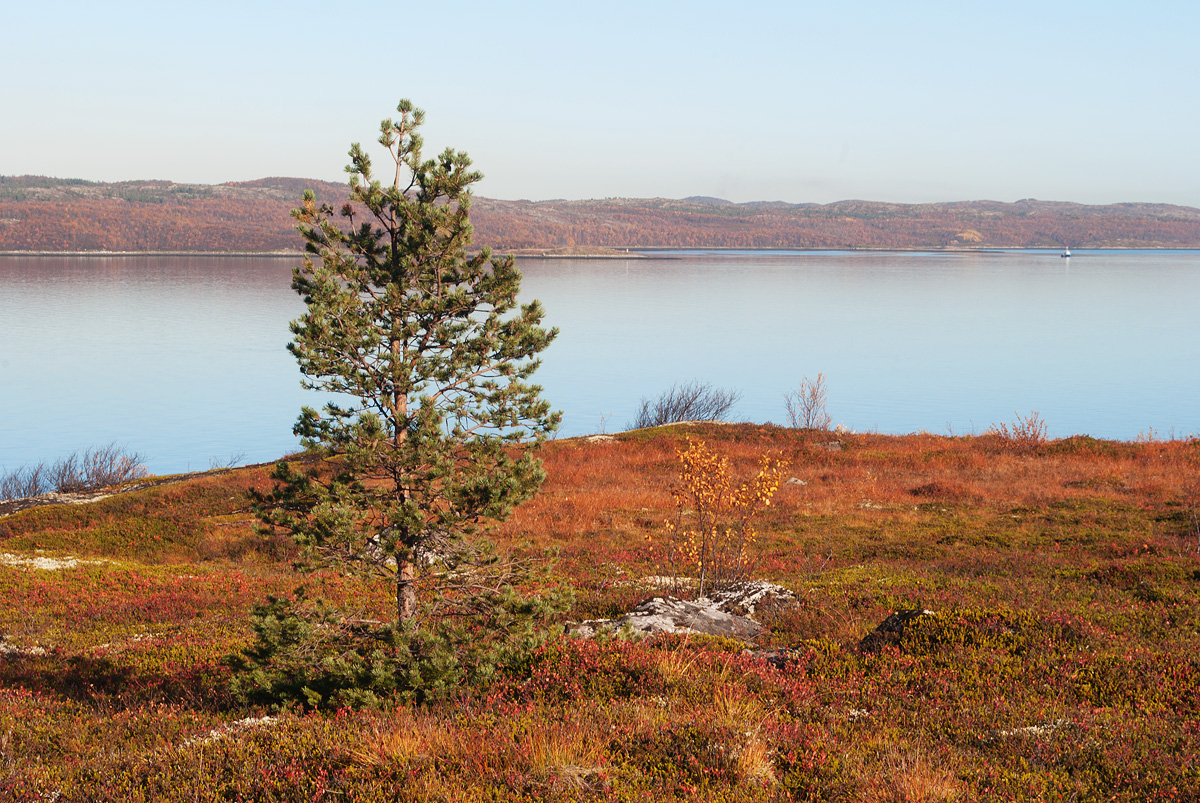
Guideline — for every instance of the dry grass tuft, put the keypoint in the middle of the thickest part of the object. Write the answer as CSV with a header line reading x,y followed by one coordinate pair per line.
x,y
905,774
755,765
403,739
732,706
674,667
565,754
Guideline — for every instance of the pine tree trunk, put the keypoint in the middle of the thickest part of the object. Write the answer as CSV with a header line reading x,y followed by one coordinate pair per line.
x,y
406,590
406,569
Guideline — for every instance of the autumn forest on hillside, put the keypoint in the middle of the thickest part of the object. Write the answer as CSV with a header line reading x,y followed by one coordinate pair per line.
x,y
45,214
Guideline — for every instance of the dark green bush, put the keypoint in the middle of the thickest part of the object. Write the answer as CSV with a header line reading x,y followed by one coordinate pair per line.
x,y
311,655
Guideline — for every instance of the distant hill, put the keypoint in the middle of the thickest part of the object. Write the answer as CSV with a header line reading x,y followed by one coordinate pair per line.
x,y
47,214
708,222
41,214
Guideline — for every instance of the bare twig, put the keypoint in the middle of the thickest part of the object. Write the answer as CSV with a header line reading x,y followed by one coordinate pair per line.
x,y
692,401
806,404
95,467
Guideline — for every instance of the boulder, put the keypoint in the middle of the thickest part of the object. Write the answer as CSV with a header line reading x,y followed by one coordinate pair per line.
x,y
891,629
670,615
745,598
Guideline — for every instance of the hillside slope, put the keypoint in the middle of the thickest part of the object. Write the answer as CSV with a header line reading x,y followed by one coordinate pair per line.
x,y
1060,662
43,214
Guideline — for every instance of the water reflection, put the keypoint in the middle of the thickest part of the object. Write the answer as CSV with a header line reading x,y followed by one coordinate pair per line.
x,y
183,359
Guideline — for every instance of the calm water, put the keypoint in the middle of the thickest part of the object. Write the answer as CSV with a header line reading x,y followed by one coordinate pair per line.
x,y
183,360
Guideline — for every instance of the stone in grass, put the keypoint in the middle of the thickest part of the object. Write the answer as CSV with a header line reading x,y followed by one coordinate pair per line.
x,y
891,630
669,615
747,597
741,598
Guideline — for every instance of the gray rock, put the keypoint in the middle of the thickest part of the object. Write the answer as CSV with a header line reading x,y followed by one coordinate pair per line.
x,y
891,629
669,615
745,598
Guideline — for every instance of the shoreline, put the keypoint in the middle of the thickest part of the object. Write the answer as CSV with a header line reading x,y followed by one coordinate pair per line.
x,y
641,252
281,254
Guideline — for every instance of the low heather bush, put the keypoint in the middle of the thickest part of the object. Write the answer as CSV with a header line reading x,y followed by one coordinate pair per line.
x,y
1026,434
95,467
315,656
806,404
692,401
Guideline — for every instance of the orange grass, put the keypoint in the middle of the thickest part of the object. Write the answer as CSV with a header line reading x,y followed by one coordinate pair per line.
x,y
1065,576
864,491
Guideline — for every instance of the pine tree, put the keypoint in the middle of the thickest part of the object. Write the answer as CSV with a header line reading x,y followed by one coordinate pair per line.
x,y
431,347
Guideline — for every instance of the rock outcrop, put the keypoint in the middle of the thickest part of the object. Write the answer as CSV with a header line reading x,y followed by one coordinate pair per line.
x,y
747,597
726,613
891,629
670,615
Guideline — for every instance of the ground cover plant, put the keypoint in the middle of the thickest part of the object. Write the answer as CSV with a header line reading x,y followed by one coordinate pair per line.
x,y
1061,662
690,401
805,406
96,467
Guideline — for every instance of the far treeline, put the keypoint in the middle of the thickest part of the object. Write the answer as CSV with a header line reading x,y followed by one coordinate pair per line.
x,y
49,214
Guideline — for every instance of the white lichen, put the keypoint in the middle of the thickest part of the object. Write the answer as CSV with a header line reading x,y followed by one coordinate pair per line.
x,y
233,727
46,564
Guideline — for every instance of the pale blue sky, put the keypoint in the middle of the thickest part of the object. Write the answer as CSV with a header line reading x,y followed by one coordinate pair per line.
x,y
1096,102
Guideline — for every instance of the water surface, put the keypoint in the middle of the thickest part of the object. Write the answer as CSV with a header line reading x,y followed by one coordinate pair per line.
x,y
1104,343
183,358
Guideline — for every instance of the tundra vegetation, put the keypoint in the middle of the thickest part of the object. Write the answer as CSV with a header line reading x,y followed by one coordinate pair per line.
x,y
95,467
687,401
1062,662
805,406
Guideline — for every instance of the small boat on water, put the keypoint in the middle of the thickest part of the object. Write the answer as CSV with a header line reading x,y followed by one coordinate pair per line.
x,y
1066,254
